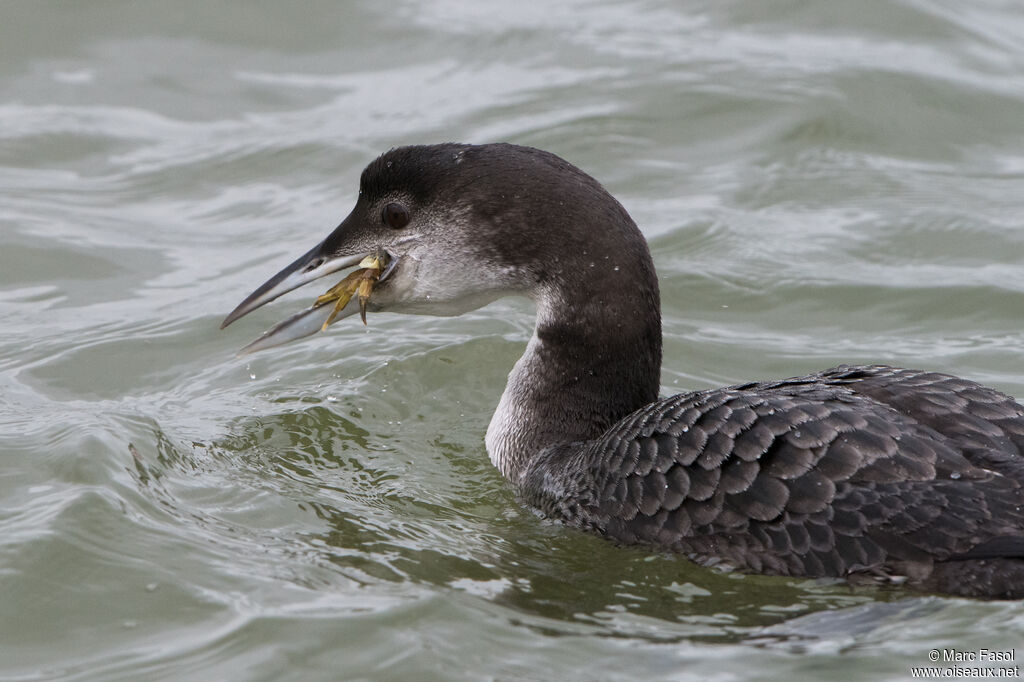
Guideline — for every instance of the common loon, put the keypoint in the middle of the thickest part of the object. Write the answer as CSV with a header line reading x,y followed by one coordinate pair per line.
x,y
863,472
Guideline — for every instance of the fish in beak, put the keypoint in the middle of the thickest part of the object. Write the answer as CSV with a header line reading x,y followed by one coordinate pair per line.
x,y
348,296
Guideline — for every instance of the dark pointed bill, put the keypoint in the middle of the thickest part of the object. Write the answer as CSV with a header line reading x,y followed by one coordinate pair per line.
x,y
308,267
298,326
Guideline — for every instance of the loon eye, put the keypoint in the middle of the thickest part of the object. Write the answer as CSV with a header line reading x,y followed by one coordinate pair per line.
x,y
396,216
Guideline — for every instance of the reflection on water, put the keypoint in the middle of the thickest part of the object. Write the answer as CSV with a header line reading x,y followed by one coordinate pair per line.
x,y
820,183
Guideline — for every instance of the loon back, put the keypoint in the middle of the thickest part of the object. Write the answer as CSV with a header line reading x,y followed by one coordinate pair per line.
x,y
868,471
859,472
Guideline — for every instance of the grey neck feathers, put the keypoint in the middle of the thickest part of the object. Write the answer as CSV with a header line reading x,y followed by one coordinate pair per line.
x,y
594,357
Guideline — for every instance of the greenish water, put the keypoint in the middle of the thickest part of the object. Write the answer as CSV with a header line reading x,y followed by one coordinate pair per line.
x,y
821,183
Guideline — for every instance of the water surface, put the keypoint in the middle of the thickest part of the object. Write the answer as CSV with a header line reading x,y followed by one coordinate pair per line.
x,y
820,183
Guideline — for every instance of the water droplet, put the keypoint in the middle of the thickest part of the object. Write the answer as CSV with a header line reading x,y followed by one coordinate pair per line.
x,y
616,268
332,399
955,475
252,375
151,587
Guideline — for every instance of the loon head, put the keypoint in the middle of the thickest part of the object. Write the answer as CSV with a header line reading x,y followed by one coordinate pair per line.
x,y
458,226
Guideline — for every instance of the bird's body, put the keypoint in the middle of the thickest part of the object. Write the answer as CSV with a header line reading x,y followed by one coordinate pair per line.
x,y
872,471
869,471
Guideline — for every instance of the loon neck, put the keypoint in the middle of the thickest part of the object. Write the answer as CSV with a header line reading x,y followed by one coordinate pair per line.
x,y
594,357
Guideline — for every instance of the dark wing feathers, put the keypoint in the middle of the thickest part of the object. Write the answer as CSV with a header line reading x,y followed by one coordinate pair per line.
x,y
856,469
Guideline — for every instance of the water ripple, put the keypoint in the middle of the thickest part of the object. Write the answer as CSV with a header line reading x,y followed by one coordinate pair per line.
x,y
820,183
